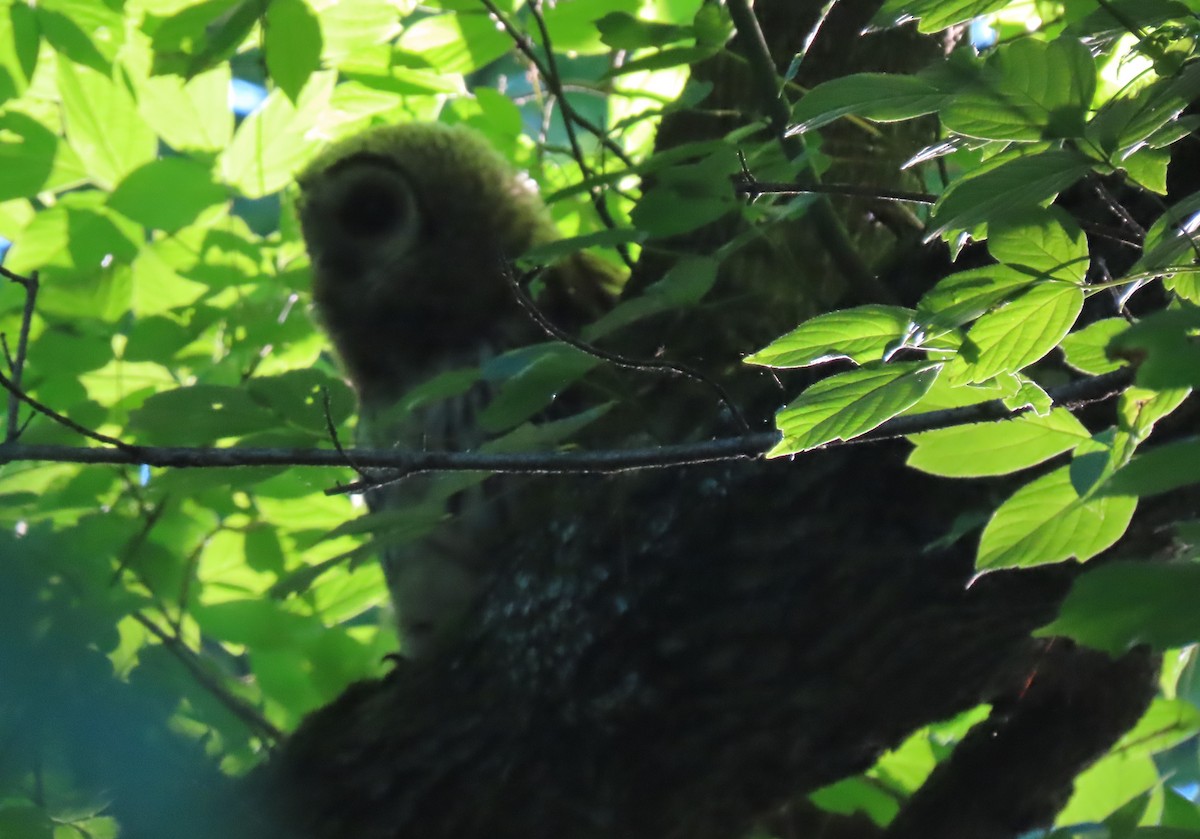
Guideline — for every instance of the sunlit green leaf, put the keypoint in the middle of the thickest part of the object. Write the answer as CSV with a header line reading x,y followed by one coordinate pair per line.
x,y
350,27
878,96
1170,241
86,32
103,125
292,44
19,41
933,15
996,448
271,144
846,405
1027,90
579,26
860,334
456,43
1046,521
1161,469
1019,332
1016,183
964,296
1163,347
166,194
1046,241
1086,349
27,154
1125,122
623,31
192,115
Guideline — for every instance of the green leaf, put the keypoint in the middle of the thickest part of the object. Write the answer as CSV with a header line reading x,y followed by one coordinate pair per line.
x,y
576,27
1164,348
533,377
1138,408
685,284
27,153
272,143
222,39
661,60
1129,771
257,623
1027,90
1170,241
19,42
189,116
200,415
623,31
1031,179
1045,241
1026,394
74,239
933,15
1161,469
1122,604
1018,333
103,126
298,399
1087,349
877,96
996,448
292,44
350,28
25,821
456,43
844,406
962,297
687,196
551,252
141,196
1124,123
88,33
860,334
1046,521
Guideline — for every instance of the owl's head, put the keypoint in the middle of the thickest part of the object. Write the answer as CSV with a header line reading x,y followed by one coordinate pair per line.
x,y
409,228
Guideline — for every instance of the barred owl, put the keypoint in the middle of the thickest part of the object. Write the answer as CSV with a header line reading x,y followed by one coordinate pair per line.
x,y
410,229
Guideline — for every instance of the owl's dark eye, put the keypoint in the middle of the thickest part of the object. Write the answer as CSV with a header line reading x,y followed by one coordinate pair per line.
x,y
366,196
371,206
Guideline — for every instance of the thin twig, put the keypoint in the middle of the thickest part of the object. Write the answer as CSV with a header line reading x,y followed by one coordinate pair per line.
x,y
64,421
17,364
241,709
137,540
1114,206
554,81
524,45
746,184
643,365
831,232
333,435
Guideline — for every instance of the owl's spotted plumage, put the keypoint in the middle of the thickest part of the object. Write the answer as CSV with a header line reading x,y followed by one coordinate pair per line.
x,y
410,229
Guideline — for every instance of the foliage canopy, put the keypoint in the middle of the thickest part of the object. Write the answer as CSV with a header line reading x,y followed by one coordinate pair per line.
x,y
172,310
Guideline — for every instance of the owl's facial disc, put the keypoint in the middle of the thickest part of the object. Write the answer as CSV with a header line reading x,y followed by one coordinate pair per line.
x,y
372,199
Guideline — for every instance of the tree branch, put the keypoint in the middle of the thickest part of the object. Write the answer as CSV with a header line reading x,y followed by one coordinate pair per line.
x,y
241,709
746,446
